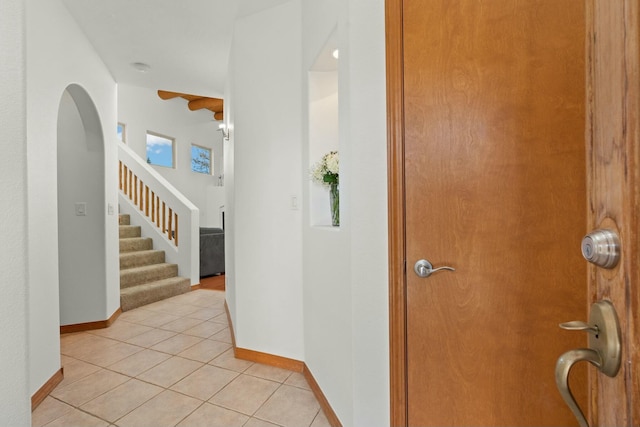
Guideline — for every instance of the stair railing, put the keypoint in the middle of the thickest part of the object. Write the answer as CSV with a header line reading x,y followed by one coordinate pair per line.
x,y
153,207
166,211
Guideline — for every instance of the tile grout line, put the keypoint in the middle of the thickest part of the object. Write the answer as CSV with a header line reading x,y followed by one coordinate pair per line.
x,y
76,408
274,392
238,373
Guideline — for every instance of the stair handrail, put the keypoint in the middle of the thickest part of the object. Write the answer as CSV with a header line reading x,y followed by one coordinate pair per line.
x,y
173,217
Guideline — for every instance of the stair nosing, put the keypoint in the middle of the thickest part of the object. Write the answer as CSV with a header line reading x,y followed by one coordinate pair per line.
x,y
133,259
149,267
130,277
177,279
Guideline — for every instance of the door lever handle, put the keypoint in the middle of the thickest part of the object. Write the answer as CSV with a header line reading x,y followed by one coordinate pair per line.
x,y
603,352
563,366
576,325
424,268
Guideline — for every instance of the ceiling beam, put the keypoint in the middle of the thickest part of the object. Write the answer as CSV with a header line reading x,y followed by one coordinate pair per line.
x,y
169,95
213,104
195,102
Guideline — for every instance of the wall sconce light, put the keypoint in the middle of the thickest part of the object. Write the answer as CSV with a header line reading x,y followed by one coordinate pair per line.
x,y
225,131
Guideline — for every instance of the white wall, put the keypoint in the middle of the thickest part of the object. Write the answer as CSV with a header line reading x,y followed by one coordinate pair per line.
x,y
367,134
326,267
58,55
343,281
281,260
15,409
81,244
267,261
345,271
142,110
229,199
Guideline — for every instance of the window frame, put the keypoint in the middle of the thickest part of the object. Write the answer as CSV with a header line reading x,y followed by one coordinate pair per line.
x,y
173,149
200,147
124,132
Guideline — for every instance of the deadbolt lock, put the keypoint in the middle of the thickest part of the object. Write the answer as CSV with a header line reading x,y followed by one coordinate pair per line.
x,y
602,248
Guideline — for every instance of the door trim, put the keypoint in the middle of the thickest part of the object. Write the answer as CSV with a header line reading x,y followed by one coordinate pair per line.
x,y
613,190
396,214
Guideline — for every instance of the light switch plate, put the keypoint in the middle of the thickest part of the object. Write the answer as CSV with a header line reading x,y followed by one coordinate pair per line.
x,y
81,208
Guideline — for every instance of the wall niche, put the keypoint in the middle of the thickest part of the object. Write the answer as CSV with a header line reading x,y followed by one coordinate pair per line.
x,y
323,125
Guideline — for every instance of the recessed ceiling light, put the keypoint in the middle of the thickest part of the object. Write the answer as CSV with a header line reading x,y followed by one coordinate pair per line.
x,y
141,66
335,53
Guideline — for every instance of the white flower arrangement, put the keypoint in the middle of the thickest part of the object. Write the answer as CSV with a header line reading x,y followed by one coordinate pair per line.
x,y
326,171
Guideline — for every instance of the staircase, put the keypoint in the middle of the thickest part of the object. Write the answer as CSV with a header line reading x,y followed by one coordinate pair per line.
x,y
145,277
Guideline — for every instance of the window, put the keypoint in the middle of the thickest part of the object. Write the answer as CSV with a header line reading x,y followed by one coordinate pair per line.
x,y
201,159
121,132
160,150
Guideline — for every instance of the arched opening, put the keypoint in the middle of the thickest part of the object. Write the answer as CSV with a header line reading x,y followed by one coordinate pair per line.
x,y
81,209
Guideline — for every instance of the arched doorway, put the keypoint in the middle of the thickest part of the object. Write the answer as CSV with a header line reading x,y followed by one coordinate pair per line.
x,y
81,208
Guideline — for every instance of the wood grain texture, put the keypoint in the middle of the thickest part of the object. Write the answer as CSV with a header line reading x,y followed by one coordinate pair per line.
x,y
494,186
613,180
46,389
197,102
89,326
269,359
215,283
396,214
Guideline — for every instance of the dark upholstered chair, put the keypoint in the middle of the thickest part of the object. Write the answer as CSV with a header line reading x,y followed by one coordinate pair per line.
x,y
211,251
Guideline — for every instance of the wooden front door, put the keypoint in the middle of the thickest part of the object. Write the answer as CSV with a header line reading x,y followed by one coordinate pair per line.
x,y
487,175
494,186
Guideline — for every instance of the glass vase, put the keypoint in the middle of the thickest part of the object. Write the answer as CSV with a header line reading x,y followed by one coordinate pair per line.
x,y
334,201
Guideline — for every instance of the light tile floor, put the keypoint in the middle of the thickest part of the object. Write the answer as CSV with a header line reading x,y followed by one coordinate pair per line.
x,y
171,363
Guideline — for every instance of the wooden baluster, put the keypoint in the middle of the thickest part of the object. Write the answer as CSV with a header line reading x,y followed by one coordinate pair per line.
x,y
141,194
146,200
164,224
130,192
127,181
135,190
175,239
